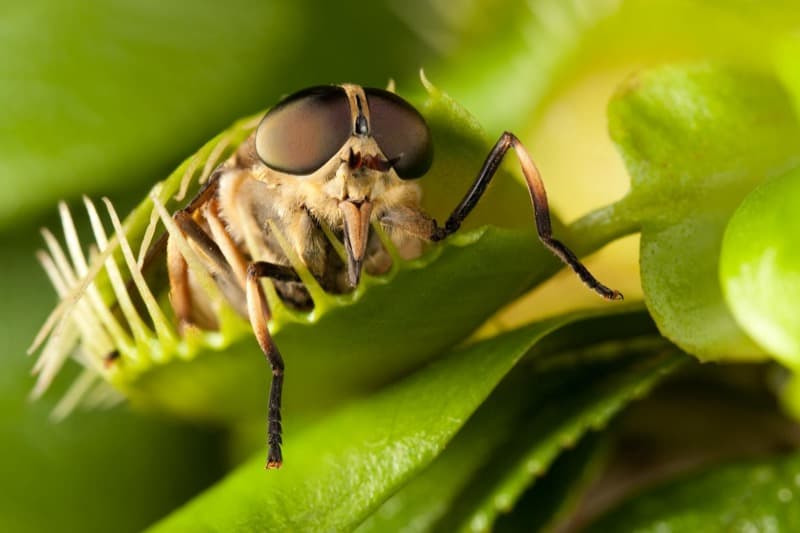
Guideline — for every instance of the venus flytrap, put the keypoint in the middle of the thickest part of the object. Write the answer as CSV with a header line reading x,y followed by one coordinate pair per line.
x,y
696,140
146,351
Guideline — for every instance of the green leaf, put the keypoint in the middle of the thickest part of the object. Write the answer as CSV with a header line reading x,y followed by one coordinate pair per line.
x,y
339,470
760,267
759,495
555,496
696,140
544,406
586,401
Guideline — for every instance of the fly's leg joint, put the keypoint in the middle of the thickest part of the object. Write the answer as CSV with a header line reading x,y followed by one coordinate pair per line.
x,y
540,208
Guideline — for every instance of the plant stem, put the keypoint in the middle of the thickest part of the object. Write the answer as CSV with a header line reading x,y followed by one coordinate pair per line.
x,y
601,226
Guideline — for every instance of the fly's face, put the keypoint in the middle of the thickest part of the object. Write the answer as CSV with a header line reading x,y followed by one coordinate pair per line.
x,y
345,149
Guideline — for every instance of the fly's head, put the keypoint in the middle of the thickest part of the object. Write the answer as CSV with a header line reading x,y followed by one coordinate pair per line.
x,y
348,152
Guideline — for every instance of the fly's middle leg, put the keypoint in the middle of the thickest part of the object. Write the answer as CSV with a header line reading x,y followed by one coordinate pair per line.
x,y
259,313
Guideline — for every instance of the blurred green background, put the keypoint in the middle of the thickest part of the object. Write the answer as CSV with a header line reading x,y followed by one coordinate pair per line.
x,y
107,97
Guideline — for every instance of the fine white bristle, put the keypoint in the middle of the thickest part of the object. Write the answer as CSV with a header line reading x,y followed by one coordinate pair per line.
x,y
215,154
122,339
160,322
186,179
66,304
53,356
86,307
149,233
108,319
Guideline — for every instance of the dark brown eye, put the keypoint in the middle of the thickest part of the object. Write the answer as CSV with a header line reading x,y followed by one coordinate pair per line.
x,y
305,130
401,132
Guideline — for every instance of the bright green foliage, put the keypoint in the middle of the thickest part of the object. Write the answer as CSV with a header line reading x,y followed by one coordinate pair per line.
x,y
758,495
760,267
343,467
696,140
760,273
387,424
555,495
787,63
525,425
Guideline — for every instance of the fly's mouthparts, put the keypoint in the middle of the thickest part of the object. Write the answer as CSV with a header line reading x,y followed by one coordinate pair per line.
x,y
356,217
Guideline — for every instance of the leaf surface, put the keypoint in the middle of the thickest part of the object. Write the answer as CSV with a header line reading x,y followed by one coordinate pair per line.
x,y
519,431
345,466
759,495
696,140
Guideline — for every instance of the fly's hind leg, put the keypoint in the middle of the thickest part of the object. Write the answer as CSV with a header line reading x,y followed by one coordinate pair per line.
x,y
259,314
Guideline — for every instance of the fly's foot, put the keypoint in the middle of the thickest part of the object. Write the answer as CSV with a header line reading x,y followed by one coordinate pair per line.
x,y
274,457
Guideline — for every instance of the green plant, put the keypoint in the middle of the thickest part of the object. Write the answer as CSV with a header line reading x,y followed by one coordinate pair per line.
x,y
396,418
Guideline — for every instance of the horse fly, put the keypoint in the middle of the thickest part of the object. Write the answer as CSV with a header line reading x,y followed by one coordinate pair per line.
x,y
326,159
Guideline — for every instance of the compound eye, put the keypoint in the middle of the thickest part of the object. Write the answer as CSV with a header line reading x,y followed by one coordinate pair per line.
x,y
304,130
401,132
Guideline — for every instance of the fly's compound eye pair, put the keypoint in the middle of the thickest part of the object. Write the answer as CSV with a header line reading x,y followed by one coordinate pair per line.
x,y
308,128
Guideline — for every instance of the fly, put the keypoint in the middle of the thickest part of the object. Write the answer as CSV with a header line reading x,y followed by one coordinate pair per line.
x,y
331,157
327,165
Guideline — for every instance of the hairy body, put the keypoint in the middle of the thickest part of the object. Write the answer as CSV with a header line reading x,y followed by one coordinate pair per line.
x,y
246,203
328,158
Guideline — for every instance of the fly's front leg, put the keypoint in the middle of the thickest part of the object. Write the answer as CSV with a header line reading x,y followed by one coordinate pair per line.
x,y
540,209
409,221
259,314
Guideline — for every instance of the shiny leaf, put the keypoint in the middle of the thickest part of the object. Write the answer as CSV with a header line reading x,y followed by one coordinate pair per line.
x,y
343,467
